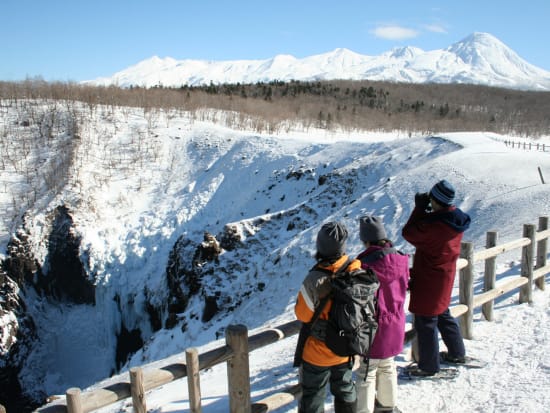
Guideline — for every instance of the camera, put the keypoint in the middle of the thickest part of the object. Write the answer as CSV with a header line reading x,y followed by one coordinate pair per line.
x,y
422,201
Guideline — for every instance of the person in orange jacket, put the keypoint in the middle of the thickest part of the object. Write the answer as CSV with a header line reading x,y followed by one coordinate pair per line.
x,y
319,366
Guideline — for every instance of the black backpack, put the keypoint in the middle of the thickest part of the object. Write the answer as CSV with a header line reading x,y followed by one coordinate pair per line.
x,y
352,324
352,321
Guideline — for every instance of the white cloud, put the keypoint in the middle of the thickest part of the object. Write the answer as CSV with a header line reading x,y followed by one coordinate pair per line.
x,y
394,32
435,28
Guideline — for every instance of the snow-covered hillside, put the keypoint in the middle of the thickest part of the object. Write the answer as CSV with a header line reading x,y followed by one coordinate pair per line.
x,y
141,188
480,58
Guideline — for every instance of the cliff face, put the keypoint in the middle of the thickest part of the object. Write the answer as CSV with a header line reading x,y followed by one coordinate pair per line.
x,y
61,278
18,335
146,229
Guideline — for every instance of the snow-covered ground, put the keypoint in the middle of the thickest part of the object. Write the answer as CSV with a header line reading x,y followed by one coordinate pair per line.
x,y
195,176
517,377
502,190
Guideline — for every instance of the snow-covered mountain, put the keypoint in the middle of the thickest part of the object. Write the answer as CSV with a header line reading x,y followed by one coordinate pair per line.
x,y
105,209
480,59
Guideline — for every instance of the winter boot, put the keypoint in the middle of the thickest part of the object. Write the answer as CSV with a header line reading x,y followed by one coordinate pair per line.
x,y
418,372
446,357
345,407
378,408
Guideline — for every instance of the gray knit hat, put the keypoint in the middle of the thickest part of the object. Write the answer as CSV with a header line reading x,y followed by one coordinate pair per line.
x,y
443,192
371,229
331,240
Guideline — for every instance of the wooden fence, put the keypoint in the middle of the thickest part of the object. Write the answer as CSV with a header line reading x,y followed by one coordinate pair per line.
x,y
528,145
534,251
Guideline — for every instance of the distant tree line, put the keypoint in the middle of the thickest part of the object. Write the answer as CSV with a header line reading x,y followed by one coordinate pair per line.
x,y
342,104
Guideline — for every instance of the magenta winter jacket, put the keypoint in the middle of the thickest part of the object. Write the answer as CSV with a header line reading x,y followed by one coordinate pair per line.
x,y
392,269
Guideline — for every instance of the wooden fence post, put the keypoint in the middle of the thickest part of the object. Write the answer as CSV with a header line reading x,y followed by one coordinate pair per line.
x,y
527,258
466,289
542,251
238,369
489,278
541,177
137,391
193,380
74,403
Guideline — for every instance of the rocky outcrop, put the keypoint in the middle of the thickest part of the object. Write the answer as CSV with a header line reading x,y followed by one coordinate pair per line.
x,y
188,263
65,277
230,238
183,277
18,333
60,278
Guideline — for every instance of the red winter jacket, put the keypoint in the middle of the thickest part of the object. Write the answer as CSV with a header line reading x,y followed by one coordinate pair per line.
x,y
437,237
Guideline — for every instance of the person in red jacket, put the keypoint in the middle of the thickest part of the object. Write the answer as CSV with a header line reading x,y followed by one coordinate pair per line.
x,y
319,366
435,228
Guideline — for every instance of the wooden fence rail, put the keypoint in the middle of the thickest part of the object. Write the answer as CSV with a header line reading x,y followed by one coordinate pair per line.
x,y
528,145
235,352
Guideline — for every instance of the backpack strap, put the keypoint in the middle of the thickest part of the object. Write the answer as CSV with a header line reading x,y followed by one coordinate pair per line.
x,y
319,309
324,300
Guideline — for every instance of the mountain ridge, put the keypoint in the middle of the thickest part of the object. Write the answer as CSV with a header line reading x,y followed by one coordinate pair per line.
x,y
479,58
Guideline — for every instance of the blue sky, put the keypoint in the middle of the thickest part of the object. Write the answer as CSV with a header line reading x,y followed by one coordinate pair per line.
x,y
62,40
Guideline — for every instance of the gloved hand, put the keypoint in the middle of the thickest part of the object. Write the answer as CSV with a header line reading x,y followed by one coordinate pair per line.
x,y
422,200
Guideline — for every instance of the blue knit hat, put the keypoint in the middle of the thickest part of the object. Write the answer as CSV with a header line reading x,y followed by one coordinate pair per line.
x,y
443,192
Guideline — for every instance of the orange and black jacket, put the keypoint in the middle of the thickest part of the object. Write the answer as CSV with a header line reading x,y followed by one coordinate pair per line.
x,y
315,287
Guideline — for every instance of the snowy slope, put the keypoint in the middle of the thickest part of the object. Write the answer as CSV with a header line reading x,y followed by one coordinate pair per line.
x,y
480,58
143,183
516,377
497,196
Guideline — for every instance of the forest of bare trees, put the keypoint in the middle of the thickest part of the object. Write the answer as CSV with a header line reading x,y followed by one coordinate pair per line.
x,y
339,104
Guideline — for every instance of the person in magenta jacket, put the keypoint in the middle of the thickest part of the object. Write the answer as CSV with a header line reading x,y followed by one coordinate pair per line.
x,y
435,228
377,375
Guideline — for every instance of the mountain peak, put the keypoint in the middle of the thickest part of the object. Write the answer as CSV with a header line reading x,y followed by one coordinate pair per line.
x,y
482,37
342,51
407,52
479,58
488,56
478,42
284,58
